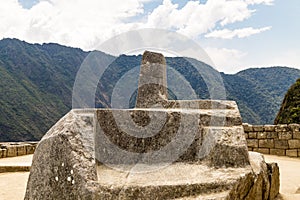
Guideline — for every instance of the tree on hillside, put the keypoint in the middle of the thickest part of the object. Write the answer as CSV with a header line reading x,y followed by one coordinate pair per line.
x,y
290,108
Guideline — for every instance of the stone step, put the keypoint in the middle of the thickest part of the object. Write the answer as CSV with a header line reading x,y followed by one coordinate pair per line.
x,y
203,104
228,136
170,129
178,180
16,164
7,169
214,196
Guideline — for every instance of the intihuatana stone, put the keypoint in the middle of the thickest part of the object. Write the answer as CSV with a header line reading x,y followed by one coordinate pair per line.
x,y
153,81
161,149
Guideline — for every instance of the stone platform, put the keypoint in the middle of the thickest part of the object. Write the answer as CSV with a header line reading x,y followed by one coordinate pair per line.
x,y
13,185
159,150
213,128
183,180
16,164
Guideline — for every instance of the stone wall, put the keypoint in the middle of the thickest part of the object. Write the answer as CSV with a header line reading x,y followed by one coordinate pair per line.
x,y
281,140
12,149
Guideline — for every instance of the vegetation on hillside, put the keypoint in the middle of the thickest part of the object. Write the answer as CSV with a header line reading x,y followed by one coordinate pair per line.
x,y
259,92
290,109
36,83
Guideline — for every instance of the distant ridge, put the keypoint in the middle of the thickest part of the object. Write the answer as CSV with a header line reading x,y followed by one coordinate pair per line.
x,y
36,82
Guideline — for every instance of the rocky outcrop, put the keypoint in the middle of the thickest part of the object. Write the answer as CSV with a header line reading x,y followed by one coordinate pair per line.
x,y
181,150
260,184
63,165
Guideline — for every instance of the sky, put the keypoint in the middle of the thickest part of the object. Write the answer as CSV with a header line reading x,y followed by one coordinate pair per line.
x,y
236,34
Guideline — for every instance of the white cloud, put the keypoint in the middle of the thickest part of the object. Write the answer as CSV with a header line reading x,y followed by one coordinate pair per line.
x,y
232,61
86,23
195,18
75,23
226,60
240,33
266,2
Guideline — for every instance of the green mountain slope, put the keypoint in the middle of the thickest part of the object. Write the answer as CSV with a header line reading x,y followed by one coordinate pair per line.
x,y
259,92
36,83
290,109
273,83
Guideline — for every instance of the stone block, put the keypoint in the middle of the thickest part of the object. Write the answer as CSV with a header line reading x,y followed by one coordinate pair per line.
x,y
21,150
262,150
80,155
272,135
152,81
294,144
262,188
281,128
261,135
296,135
246,135
292,153
4,153
30,149
285,135
68,167
294,127
11,151
219,142
250,149
258,128
278,152
252,143
266,143
298,152
211,119
269,128
281,144
66,164
252,135
248,128
1,153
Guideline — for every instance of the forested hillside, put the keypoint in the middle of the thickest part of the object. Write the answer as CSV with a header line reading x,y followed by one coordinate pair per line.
x,y
36,83
290,108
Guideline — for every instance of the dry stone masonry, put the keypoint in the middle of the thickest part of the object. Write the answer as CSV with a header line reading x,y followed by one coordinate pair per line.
x,y
161,149
12,149
281,140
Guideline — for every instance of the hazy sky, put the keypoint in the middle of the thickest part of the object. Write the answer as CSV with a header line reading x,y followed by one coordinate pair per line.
x,y
236,34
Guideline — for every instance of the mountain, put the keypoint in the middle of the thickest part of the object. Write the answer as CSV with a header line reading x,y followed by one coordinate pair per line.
x,y
259,92
37,82
290,108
